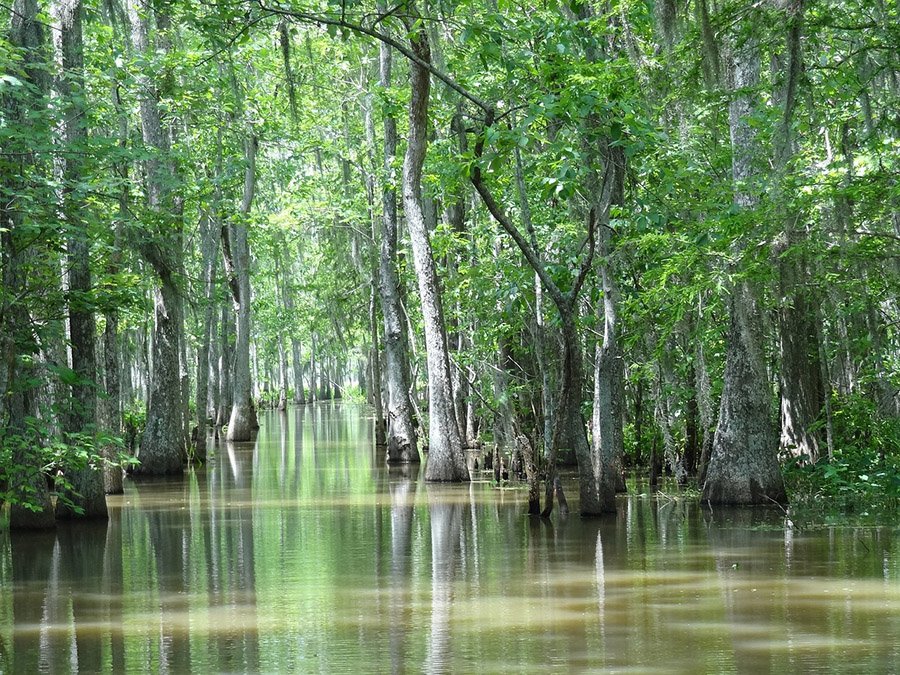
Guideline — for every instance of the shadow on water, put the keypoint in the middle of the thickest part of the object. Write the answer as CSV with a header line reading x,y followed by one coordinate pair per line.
x,y
303,552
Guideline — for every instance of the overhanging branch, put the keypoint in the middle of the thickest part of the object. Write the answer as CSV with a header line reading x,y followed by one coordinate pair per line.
x,y
343,22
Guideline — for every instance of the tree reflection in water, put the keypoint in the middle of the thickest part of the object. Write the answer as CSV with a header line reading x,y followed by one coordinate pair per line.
x,y
305,553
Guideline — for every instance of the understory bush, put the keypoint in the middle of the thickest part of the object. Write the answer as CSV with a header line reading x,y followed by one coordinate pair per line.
x,y
862,477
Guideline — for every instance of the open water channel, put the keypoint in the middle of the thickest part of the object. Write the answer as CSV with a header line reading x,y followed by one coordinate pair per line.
x,y
302,552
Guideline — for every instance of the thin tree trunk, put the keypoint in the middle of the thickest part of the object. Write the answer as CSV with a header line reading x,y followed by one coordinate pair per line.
x,y
209,244
282,374
401,431
703,388
297,362
446,460
375,358
541,346
287,296
226,366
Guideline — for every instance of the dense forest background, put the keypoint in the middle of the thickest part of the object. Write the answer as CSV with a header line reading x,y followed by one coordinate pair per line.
x,y
618,234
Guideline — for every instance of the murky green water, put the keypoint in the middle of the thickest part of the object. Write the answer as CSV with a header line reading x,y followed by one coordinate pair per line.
x,y
302,553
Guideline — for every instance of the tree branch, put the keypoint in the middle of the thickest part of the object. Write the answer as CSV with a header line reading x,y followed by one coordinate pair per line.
x,y
341,22
531,255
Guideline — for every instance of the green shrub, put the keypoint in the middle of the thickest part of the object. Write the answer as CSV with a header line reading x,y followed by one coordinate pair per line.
x,y
863,475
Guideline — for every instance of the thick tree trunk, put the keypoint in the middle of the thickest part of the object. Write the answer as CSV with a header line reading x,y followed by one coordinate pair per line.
x,y
801,385
609,395
162,444
401,431
110,409
237,261
446,460
743,467
86,493
802,393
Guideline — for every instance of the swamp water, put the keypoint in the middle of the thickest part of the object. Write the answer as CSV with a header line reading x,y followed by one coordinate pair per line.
x,y
301,552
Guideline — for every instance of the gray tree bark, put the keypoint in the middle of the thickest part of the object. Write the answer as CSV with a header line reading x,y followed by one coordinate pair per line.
x,y
225,365
446,460
609,396
743,467
209,244
373,387
800,374
287,305
162,444
297,363
242,422
296,347
401,431
86,491
110,408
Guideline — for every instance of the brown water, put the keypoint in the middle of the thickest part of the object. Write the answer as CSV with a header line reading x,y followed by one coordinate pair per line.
x,y
303,553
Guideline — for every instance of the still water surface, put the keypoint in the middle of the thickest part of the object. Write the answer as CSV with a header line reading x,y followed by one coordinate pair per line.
x,y
301,552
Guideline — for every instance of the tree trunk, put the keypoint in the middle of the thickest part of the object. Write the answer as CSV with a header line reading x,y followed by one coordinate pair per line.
x,y
237,262
446,460
287,295
691,435
162,444
225,366
209,244
86,493
27,480
541,336
282,374
638,421
374,389
801,385
313,382
705,408
401,431
802,393
111,405
609,394
110,410
743,467
211,404
296,360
